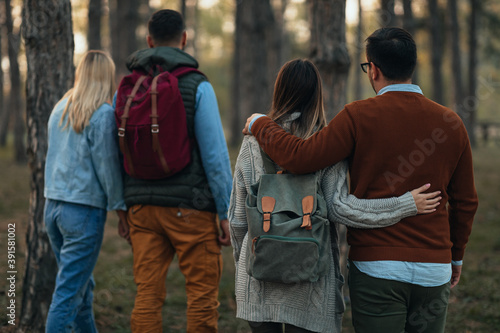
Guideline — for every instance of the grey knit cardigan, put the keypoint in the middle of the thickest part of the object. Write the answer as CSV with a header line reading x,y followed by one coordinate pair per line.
x,y
317,306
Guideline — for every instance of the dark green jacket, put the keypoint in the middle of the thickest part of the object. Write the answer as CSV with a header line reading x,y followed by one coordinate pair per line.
x,y
188,188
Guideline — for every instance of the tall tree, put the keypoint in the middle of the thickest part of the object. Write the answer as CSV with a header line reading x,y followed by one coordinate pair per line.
x,y
236,116
190,14
329,51
124,20
435,32
47,26
456,68
94,25
472,100
409,25
4,111
387,15
254,26
358,87
15,100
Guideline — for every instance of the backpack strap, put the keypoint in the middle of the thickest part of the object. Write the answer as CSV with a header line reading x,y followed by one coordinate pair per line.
x,y
183,70
268,204
155,128
307,208
121,130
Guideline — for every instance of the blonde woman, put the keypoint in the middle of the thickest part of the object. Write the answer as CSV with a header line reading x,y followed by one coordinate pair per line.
x,y
82,182
304,307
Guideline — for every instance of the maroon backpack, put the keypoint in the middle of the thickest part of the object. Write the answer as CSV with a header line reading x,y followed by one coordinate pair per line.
x,y
152,126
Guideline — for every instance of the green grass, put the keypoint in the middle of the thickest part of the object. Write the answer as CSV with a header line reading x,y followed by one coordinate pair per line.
x,y
474,303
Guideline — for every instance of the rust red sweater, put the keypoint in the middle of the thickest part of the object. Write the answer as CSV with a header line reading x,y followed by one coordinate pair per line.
x,y
394,142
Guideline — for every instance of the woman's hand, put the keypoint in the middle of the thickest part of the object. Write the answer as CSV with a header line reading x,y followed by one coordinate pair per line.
x,y
426,202
123,228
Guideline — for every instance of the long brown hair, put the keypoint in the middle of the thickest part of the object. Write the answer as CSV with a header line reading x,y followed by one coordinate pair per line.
x,y
298,88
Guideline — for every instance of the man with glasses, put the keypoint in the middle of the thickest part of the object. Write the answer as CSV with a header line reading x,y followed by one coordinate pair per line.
x,y
399,276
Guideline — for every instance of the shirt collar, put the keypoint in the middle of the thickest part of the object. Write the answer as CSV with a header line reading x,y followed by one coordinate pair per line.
x,y
401,87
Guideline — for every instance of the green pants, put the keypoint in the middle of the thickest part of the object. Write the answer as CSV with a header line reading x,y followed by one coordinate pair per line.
x,y
387,306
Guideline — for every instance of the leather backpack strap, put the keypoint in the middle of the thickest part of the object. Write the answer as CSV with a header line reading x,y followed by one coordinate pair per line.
x,y
268,204
155,128
121,130
307,208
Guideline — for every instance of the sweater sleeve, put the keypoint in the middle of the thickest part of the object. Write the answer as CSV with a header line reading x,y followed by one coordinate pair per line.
x,y
361,213
463,203
238,226
332,144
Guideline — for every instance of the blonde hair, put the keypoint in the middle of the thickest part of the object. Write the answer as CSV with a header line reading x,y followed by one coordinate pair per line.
x,y
298,88
94,85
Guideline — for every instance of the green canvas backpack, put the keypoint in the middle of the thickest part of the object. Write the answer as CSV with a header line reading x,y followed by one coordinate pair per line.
x,y
288,229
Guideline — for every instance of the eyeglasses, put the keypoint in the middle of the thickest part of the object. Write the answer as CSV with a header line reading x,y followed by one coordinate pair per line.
x,y
364,66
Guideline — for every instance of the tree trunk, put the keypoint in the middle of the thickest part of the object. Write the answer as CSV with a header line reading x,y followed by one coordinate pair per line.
x,y
329,51
15,100
387,16
409,25
182,6
94,25
124,19
4,111
47,26
358,87
236,117
253,24
456,68
190,8
471,103
437,50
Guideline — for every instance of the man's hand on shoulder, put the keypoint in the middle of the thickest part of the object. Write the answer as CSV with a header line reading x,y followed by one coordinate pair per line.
x,y
246,130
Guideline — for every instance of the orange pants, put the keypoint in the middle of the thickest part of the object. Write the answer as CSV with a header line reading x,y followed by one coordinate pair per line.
x,y
157,233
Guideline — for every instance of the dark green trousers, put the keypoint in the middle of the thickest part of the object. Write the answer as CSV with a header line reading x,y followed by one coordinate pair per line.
x,y
387,306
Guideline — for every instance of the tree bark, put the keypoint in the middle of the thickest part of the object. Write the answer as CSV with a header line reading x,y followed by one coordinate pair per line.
x,y
94,25
329,51
471,103
456,68
190,8
124,19
409,25
358,87
4,111
236,118
437,50
387,16
15,100
47,26
253,23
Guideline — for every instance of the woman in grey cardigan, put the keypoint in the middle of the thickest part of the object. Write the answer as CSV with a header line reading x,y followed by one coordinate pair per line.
x,y
318,306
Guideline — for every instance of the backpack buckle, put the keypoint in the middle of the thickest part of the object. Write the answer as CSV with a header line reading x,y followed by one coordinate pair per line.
x,y
155,128
121,132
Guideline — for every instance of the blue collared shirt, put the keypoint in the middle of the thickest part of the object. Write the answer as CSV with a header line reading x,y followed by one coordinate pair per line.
x,y
213,147
421,273
84,168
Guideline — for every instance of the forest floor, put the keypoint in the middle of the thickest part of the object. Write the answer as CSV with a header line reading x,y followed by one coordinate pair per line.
x,y
474,304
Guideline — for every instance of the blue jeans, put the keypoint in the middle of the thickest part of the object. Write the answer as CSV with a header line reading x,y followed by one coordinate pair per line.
x,y
75,233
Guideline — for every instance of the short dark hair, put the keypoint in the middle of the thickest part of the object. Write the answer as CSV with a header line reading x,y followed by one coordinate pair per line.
x,y
394,51
166,26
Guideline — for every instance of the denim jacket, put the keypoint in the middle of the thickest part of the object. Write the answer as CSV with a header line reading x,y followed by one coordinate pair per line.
x,y
84,168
